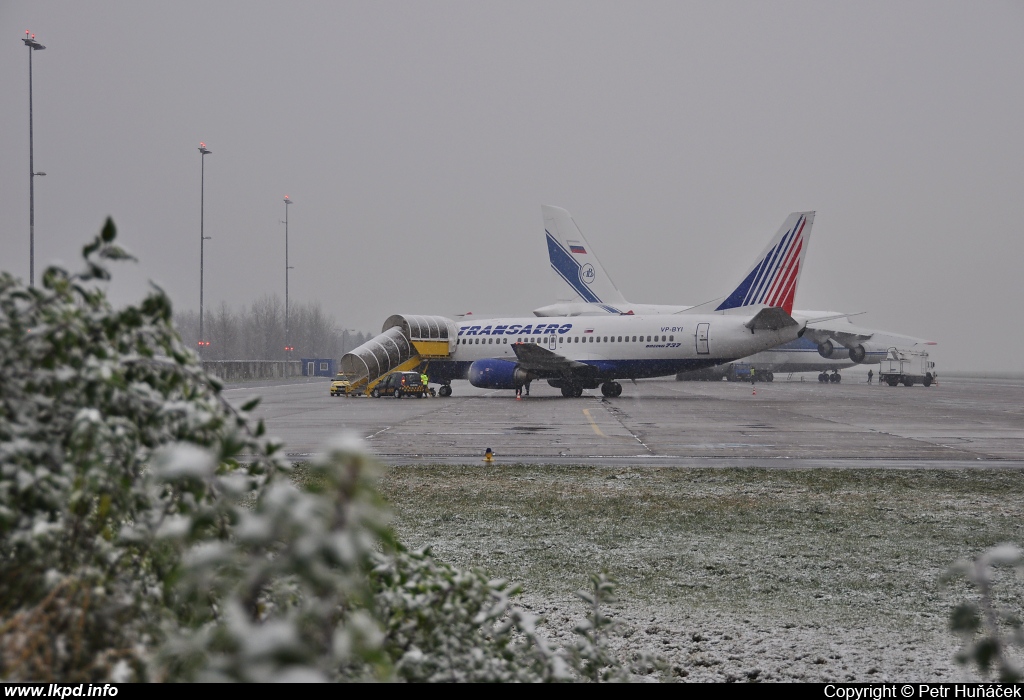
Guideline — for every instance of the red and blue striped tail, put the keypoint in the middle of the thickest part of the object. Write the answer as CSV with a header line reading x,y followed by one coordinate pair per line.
x,y
773,279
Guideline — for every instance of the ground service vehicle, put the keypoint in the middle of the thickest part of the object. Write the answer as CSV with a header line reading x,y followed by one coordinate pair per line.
x,y
399,384
339,385
907,367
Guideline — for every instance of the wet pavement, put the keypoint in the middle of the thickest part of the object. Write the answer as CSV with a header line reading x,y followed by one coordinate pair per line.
x,y
960,423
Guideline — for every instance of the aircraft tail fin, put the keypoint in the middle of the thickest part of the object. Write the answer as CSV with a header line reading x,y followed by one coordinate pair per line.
x,y
772,279
574,263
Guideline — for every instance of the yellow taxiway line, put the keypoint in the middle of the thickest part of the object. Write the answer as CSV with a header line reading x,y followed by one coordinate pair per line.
x,y
586,412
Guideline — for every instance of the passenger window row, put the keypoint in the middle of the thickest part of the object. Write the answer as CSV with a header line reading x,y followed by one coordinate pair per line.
x,y
571,339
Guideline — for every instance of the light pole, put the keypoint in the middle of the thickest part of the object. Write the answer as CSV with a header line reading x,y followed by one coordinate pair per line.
x,y
204,151
287,335
33,45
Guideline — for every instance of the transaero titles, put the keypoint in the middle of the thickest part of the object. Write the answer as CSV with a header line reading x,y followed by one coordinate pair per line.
x,y
922,690
518,329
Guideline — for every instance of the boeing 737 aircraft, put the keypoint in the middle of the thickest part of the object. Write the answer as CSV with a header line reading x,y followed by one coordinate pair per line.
x,y
825,345
574,354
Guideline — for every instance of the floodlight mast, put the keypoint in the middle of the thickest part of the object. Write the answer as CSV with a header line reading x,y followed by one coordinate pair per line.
x,y
204,151
287,333
33,46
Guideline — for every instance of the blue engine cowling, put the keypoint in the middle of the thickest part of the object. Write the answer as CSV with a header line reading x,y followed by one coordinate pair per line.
x,y
497,374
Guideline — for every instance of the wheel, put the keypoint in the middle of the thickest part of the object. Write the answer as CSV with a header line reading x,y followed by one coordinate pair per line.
x,y
836,378
375,393
611,389
568,391
822,377
445,390
398,393
432,392
908,382
579,392
927,381
770,377
892,381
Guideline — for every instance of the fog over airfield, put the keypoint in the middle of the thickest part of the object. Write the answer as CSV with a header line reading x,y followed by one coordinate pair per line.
x,y
419,139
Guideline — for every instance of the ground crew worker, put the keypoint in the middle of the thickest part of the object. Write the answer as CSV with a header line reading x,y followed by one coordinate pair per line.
x,y
871,373
423,380
752,370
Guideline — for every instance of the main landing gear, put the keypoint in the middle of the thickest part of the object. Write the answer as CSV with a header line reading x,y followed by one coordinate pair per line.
x,y
826,378
572,390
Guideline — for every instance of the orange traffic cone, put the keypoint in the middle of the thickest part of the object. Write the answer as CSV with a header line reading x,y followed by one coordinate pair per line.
x,y
488,455
755,393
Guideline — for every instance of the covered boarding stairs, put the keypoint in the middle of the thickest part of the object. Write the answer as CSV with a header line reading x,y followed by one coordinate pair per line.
x,y
405,343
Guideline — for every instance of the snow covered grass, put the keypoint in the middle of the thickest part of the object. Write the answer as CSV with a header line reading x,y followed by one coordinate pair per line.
x,y
730,574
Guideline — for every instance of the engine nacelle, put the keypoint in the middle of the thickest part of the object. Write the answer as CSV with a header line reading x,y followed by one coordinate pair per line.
x,y
497,374
858,353
831,351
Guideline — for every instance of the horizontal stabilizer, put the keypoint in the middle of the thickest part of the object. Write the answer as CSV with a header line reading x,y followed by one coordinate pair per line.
x,y
772,318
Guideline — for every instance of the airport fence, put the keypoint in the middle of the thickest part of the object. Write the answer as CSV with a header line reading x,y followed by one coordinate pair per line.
x,y
243,370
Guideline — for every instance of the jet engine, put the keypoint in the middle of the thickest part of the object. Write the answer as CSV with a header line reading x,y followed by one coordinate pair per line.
x,y
858,353
826,349
497,374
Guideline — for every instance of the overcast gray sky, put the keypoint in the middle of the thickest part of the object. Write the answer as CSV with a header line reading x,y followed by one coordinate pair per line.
x,y
419,139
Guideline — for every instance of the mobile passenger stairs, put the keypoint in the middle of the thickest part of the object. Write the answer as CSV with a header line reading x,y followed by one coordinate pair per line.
x,y
405,343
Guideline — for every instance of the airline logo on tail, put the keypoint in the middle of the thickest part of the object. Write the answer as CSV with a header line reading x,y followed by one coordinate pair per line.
x,y
578,276
773,279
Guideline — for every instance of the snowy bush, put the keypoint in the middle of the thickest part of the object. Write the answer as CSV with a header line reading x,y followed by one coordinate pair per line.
x,y
443,624
148,531
990,631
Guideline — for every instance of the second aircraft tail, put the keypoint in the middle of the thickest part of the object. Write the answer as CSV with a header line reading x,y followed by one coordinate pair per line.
x,y
572,260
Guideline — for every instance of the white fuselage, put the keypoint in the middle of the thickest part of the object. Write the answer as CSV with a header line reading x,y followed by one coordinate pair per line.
x,y
616,346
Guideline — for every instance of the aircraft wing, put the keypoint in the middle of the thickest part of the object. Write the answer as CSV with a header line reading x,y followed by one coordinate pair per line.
x,y
848,335
844,338
540,360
